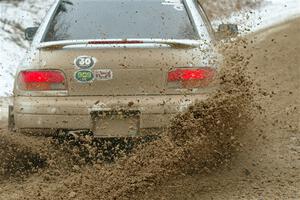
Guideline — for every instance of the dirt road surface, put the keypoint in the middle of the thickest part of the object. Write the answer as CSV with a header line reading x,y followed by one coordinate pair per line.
x,y
266,165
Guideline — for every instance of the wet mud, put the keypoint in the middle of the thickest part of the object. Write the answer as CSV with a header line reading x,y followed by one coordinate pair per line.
x,y
17,161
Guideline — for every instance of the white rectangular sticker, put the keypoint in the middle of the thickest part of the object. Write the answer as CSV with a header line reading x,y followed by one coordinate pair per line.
x,y
103,74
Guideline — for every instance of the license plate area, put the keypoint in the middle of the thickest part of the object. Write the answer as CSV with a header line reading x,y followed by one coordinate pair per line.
x,y
116,123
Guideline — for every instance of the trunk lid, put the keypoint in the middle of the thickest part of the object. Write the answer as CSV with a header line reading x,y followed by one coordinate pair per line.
x,y
119,71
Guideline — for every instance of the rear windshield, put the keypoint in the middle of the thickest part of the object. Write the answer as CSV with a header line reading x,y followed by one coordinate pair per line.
x,y
120,19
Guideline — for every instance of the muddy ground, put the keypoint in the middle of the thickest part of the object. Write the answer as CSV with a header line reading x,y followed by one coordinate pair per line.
x,y
268,164
218,150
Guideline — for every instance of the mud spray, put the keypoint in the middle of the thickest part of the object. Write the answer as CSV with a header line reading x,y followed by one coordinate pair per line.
x,y
198,141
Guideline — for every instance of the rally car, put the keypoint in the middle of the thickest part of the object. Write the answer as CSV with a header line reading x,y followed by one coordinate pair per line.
x,y
114,68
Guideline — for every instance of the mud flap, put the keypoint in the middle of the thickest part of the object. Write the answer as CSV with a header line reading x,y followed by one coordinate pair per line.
x,y
11,119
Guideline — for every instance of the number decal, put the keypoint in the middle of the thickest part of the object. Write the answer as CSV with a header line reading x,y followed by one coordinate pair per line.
x,y
85,62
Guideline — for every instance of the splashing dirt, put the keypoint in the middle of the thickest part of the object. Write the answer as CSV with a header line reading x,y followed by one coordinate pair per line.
x,y
196,141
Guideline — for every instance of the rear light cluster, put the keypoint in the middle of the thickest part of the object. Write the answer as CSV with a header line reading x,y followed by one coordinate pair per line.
x,y
42,80
191,77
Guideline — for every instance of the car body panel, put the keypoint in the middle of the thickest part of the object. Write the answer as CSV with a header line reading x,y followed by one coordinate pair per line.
x,y
76,112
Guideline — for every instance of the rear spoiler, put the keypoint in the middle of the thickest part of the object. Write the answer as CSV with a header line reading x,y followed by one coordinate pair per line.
x,y
119,43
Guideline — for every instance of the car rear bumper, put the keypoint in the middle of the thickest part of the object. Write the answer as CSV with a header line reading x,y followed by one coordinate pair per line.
x,y
74,113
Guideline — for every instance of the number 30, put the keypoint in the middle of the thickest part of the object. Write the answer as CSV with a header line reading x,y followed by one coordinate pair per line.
x,y
85,61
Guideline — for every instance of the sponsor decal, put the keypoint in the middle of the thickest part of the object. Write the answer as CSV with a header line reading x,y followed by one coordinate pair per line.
x,y
85,62
103,74
84,76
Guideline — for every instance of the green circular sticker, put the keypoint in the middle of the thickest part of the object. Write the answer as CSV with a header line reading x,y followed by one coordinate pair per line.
x,y
84,76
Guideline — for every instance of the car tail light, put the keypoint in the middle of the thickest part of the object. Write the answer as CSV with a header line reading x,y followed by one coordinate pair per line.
x,y
191,78
42,80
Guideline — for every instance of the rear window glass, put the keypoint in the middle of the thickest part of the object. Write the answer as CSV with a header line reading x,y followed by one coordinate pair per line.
x,y
120,19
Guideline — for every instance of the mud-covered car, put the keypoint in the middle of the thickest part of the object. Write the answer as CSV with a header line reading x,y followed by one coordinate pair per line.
x,y
116,68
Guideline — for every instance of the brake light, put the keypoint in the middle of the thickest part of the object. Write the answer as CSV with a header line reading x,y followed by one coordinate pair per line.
x,y
42,80
191,78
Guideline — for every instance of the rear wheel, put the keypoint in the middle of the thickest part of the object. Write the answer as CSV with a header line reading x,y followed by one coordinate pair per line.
x,y
11,119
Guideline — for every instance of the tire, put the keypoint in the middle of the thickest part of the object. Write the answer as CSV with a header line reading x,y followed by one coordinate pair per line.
x,y
11,119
